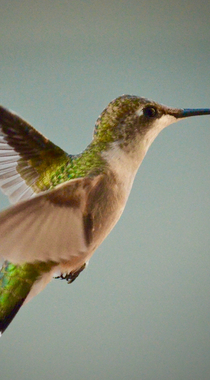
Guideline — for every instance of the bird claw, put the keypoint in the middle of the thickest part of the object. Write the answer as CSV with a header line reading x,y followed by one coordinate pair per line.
x,y
70,277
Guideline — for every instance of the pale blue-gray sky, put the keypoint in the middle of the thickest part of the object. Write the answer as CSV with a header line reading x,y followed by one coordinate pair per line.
x,y
141,310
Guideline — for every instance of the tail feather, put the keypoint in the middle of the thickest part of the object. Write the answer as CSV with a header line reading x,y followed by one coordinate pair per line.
x,y
16,282
8,317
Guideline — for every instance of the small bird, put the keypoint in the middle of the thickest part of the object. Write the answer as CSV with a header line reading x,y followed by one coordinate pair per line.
x,y
65,205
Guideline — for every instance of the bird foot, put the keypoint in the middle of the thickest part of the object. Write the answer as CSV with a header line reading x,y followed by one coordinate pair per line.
x,y
70,277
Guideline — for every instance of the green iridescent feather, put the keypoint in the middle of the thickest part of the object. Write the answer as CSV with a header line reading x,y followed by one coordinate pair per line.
x,y
42,165
15,284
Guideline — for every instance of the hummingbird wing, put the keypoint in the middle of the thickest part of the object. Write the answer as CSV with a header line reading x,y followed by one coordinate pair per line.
x,y
25,155
50,226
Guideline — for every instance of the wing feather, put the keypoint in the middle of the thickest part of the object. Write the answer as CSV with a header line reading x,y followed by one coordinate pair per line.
x,y
50,226
25,154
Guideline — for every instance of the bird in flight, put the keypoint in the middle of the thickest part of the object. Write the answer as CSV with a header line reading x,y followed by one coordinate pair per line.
x,y
65,205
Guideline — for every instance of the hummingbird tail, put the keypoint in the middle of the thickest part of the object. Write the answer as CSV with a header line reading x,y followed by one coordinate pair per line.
x,y
16,282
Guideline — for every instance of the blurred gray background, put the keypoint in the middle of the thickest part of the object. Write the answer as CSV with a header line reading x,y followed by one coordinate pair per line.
x,y
141,311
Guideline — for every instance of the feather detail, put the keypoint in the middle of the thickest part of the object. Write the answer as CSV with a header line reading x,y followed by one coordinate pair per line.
x,y
50,226
25,157
16,283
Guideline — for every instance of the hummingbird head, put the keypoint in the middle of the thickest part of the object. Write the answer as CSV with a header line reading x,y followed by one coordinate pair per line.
x,y
130,120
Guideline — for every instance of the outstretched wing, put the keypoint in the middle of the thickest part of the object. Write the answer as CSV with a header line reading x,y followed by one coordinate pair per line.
x,y
25,156
51,226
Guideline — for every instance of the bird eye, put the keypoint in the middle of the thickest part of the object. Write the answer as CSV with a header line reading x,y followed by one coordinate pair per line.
x,y
150,111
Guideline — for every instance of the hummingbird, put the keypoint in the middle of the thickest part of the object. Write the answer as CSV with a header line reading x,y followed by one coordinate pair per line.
x,y
65,205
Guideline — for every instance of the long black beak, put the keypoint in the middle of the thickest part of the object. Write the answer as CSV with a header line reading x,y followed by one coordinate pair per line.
x,y
186,112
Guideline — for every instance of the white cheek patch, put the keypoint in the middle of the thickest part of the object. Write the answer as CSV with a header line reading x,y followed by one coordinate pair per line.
x,y
139,112
157,127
